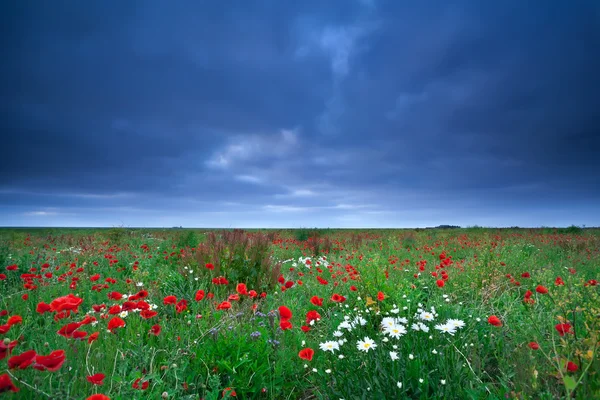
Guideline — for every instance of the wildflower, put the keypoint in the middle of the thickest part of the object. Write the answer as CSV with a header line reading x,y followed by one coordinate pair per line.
x,y
306,354
96,379
456,323
534,345
494,320
399,384
411,357
447,328
443,381
329,346
395,331
426,316
563,328
366,344
572,367
6,384
541,289
394,355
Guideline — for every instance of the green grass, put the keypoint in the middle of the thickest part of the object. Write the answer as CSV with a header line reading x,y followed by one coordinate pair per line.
x,y
206,352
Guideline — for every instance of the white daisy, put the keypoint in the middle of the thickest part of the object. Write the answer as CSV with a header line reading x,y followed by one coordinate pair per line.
x,y
366,344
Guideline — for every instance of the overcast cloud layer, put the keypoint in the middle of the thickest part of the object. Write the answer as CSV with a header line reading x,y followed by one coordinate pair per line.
x,y
298,114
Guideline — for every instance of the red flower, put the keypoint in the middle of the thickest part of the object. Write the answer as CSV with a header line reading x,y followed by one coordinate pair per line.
x,y
525,275
2,277
306,354
14,320
234,297
170,300
305,328
572,367
115,296
136,384
493,320
69,302
380,296
317,301
563,328
285,324
147,314
534,345
155,330
115,323
224,306
285,313
440,283
52,362
181,306
96,379
13,267
67,330
23,360
94,278
591,282
559,281
199,295
93,337
4,329
312,316
338,298
6,349
209,266
353,288
241,289
541,289
6,384
98,397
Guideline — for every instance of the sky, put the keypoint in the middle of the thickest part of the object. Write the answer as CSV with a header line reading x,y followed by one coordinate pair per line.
x,y
272,113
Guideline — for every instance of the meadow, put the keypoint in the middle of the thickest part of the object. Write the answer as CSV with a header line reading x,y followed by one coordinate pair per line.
x,y
299,314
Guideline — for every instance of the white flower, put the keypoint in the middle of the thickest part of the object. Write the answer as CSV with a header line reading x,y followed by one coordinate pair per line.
x,y
411,357
341,356
434,351
140,284
329,346
420,380
395,310
338,334
395,331
314,370
447,328
394,347
443,381
345,325
366,344
399,384
123,314
456,323
328,371
426,316
394,355
385,339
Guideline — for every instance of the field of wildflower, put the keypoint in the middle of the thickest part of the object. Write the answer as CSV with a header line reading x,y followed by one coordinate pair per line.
x,y
299,314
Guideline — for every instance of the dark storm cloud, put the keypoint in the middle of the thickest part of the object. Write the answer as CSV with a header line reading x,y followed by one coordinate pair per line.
x,y
317,113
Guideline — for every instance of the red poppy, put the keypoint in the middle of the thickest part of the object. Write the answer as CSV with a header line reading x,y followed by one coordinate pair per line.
x,y
6,384
353,288
93,337
338,298
69,302
116,309
241,289
210,266
563,328
306,354
147,314
6,348
541,289
155,330
312,315
2,277
305,328
94,278
23,360
52,362
572,367
559,281
96,379
79,335
380,296
493,320
534,345
525,275
98,397
224,306
14,320
285,324
115,323
170,300
115,296
181,306
4,329
67,330
285,313
199,295
136,384
440,283
234,297
317,301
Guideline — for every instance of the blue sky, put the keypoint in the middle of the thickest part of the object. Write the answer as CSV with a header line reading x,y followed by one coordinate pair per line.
x,y
353,113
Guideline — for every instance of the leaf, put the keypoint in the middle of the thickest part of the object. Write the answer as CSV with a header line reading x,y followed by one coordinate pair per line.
x,y
570,383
